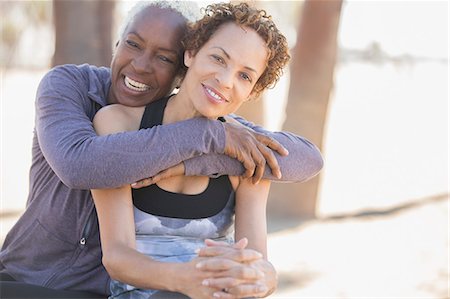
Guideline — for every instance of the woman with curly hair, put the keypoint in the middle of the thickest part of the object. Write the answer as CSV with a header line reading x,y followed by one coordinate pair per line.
x,y
153,238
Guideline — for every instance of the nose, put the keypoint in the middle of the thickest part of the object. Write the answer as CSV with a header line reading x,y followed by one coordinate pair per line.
x,y
142,64
225,78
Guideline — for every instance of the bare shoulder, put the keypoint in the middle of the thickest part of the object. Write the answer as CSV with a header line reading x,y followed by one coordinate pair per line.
x,y
117,118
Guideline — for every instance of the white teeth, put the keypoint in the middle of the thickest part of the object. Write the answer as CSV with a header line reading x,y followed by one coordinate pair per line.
x,y
214,95
134,85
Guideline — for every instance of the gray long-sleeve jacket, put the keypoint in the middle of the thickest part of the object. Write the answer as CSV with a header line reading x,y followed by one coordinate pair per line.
x,y
55,243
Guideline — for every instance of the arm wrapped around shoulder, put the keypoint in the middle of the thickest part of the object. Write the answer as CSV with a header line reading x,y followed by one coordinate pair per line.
x,y
303,162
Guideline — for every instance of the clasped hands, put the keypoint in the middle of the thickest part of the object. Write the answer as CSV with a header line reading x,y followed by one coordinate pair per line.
x,y
230,271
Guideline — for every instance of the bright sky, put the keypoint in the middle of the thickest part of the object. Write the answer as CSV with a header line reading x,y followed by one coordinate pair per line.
x,y
419,28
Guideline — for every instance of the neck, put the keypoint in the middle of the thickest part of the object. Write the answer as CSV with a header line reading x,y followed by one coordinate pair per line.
x,y
179,108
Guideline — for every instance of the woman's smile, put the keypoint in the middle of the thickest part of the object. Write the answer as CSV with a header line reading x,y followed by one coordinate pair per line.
x,y
213,95
135,85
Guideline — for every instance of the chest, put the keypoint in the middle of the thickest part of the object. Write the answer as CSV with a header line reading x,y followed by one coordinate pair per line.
x,y
184,184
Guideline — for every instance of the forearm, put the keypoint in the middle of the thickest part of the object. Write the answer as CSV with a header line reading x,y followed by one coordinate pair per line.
x,y
84,160
109,161
303,162
131,267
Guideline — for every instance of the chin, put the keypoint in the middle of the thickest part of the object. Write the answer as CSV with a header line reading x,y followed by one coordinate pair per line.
x,y
131,103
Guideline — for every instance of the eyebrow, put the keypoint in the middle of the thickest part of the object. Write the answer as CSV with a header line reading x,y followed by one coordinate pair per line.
x,y
228,56
160,48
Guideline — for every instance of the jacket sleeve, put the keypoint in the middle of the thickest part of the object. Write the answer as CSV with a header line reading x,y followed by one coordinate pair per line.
x,y
303,162
83,160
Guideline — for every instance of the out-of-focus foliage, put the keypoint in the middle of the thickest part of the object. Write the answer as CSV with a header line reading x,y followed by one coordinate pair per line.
x,y
19,25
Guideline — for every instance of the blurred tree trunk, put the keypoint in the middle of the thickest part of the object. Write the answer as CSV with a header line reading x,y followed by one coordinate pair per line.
x,y
312,69
83,31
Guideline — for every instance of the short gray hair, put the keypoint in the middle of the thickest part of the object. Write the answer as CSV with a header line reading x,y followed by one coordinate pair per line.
x,y
188,9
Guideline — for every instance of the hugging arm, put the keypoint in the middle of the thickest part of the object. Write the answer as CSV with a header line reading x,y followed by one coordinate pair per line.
x,y
303,162
65,108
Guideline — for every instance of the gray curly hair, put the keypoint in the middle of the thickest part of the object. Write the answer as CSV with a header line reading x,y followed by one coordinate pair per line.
x,y
188,9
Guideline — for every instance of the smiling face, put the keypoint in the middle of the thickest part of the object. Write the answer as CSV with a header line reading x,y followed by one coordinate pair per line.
x,y
223,72
147,57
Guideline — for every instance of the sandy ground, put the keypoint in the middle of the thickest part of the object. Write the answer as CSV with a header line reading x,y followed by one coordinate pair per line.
x,y
401,252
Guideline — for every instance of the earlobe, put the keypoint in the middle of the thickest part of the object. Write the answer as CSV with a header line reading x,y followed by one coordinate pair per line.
x,y
187,58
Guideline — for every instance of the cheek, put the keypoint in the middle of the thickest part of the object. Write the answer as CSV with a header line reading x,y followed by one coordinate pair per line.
x,y
118,61
243,92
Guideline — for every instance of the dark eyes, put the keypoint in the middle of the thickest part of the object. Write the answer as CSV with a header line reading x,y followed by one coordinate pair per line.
x,y
246,77
165,59
162,58
218,58
132,44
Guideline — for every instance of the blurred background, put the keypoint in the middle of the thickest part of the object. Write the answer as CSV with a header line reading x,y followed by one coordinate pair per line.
x,y
367,83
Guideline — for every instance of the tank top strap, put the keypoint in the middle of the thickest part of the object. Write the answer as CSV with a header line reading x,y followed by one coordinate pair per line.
x,y
154,113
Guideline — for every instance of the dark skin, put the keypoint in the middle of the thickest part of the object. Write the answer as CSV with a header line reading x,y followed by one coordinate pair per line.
x,y
253,150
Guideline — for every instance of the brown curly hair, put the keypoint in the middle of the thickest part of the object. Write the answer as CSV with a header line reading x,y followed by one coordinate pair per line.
x,y
215,15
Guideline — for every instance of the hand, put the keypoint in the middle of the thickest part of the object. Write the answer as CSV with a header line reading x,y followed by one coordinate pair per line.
x,y
240,272
202,269
192,285
253,150
230,279
169,172
235,252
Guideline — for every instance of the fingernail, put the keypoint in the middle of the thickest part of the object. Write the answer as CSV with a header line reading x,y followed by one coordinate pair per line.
x,y
205,282
197,250
134,185
216,295
199,265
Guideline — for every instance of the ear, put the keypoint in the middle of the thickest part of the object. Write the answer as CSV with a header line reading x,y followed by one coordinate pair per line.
x,y
188,57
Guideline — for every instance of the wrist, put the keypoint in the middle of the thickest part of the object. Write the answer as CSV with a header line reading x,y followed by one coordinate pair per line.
x,y
176,281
